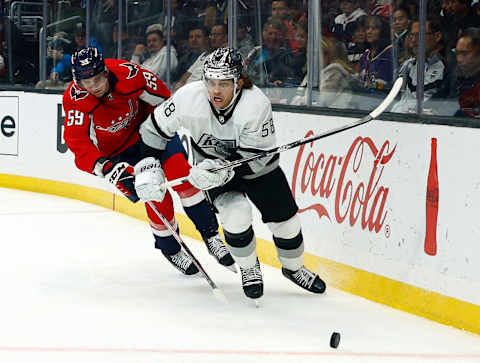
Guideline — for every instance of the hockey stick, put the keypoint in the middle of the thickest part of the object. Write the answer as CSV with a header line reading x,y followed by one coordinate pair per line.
x,y
216,291
371,116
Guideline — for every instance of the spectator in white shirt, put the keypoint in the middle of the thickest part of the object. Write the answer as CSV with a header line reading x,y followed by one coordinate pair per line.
x,y
153,56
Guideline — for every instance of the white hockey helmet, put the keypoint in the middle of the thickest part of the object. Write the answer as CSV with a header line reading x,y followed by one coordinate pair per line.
x,y
223,63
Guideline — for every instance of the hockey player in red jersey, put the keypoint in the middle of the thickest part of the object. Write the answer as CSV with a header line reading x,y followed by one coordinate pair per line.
x,y
104,106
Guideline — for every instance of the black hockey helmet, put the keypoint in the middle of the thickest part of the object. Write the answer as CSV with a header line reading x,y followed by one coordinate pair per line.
x,y
87,62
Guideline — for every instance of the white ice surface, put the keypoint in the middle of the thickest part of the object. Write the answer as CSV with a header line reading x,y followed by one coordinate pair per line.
x,y
80,283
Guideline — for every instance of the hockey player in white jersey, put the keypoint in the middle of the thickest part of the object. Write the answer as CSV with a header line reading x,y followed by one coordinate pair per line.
x,y
230,118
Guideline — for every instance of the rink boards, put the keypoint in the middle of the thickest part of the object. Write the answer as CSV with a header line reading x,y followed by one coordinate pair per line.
x,y
362,198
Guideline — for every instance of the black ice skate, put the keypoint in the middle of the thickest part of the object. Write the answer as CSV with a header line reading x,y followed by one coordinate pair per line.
x,y
252,281
183,263
305,278
218,250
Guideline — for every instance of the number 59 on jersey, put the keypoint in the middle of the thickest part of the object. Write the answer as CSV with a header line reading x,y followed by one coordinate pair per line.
x,y
75,117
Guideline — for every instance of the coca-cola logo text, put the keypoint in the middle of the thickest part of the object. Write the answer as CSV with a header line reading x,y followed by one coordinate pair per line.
x,y
321,177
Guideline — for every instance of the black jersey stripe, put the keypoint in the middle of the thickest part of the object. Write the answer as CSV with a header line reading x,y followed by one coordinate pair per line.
x,y
158,129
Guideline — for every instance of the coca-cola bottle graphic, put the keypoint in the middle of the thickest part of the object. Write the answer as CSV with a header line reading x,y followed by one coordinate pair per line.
x,y
432,203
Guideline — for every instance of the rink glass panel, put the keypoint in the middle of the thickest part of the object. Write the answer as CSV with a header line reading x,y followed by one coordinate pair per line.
x,y
33,36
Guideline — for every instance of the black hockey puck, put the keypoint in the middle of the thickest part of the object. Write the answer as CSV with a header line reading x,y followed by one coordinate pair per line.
x,y
335,340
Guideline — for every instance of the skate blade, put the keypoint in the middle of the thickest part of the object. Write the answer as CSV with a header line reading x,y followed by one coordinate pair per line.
x,y
255,302
232,268
218,294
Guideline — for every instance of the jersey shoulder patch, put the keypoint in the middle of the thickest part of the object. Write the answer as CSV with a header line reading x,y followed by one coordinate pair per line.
x,y
132,69
78,98
76,93
128,74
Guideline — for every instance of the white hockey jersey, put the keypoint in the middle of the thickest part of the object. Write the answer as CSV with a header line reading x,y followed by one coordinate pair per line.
x,y
243,130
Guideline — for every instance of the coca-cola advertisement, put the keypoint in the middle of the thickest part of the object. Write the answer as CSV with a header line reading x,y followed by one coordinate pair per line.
x,y
370,198
344,188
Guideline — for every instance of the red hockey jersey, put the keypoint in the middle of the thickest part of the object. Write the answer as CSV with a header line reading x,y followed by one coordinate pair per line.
x,y
103,127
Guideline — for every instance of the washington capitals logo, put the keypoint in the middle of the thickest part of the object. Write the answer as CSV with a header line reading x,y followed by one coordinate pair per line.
x,y
132,68
77,94
122,122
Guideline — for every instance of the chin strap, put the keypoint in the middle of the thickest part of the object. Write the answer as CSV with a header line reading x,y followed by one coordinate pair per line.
x,y
236,92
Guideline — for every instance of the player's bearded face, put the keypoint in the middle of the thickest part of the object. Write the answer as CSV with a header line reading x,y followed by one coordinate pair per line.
x,y
96,85
220,92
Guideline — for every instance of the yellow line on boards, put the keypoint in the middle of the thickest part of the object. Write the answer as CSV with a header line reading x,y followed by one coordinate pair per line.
x,y
399,295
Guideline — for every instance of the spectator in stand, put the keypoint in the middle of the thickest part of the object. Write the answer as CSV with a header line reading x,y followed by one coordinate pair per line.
x,y
58,57
434,74
357,46
298,11
218,39
269,65
196,12
298,62
218,36
280,10
57,51
154,56
198,43
181,23
400,26
329,11
216,13
412,6
336,78
407,49
104,13
246,12
445,10
80,38
61,53
346,21
458,16
376,64
244,39
468,83
129,43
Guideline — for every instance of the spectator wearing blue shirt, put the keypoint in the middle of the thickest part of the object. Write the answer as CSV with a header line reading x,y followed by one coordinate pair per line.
x,y
61,70
57,48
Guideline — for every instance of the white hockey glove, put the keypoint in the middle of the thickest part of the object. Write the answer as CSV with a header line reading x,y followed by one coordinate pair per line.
x,y
202,178
150,180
